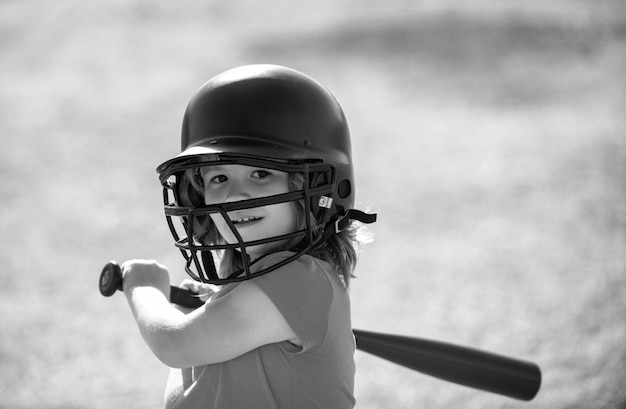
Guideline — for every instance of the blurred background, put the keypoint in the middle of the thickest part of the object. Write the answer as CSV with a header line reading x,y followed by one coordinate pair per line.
x,y
489,136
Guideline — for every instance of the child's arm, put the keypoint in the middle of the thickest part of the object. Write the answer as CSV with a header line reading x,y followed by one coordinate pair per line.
x,y
221,330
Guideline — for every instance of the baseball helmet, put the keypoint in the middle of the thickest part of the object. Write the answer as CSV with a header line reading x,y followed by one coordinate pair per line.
x,y
264,116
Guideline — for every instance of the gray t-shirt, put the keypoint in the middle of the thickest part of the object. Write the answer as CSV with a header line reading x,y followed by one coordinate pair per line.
x,y
313,300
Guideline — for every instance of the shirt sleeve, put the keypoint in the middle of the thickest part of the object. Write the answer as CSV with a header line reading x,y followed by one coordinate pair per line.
x,y
302,293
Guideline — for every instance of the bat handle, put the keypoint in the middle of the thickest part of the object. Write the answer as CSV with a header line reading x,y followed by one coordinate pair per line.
x,y
111,281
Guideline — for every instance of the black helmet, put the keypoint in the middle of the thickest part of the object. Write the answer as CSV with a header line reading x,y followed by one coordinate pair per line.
x,y
265,116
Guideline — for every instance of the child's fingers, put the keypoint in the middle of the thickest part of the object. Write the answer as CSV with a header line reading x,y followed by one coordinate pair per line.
x,y
188,284
204,291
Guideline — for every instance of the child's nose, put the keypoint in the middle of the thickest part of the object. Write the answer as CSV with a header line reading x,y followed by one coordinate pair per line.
x,y
238,190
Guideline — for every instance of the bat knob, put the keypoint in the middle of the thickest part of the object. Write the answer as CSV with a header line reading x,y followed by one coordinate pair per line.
x,y
110,279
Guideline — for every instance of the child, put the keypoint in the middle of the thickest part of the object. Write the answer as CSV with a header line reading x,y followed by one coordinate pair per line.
x,y
259,201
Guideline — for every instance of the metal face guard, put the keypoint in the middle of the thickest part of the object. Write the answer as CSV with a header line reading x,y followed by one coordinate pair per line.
x,y
187,222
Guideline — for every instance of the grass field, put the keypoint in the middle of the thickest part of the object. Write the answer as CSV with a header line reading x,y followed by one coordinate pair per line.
x,y
490,138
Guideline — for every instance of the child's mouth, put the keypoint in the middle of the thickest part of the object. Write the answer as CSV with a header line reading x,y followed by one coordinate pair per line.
x,y
244,220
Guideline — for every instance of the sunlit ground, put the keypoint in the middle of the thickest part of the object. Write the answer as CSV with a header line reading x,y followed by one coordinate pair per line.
x,y
490,138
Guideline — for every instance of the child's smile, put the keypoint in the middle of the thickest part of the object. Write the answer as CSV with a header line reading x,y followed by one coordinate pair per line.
x,y
245,221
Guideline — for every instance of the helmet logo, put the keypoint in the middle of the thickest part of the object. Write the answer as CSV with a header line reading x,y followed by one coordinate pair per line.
x,y
325,202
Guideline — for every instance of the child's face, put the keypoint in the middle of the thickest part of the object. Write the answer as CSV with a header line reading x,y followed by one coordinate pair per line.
x,y
231,183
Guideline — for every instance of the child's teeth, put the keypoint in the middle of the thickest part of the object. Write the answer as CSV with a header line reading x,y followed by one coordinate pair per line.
x,y
245,219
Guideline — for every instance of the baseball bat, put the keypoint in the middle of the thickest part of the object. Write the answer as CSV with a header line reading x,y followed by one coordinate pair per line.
x,y
474,368
462,365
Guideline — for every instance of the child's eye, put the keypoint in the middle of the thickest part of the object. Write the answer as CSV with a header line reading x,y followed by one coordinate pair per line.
x,y
218,179
261,174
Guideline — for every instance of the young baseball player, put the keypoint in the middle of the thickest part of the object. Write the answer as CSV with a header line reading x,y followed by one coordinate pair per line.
x,y
260,202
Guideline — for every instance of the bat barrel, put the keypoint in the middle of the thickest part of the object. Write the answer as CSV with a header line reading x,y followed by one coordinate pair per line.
x,y
477,369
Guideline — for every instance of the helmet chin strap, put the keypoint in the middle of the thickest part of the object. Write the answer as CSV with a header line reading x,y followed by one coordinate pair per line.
x,y
340,222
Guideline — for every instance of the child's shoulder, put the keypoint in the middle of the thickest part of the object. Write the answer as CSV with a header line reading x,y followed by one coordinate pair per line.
x,y
304,263
303,281
308,273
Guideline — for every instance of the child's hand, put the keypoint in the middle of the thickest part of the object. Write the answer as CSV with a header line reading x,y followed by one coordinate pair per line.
x,y
204,291
145,273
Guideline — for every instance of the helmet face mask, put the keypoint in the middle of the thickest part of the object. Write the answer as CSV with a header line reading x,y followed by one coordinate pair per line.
x,y
194,231
262,116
